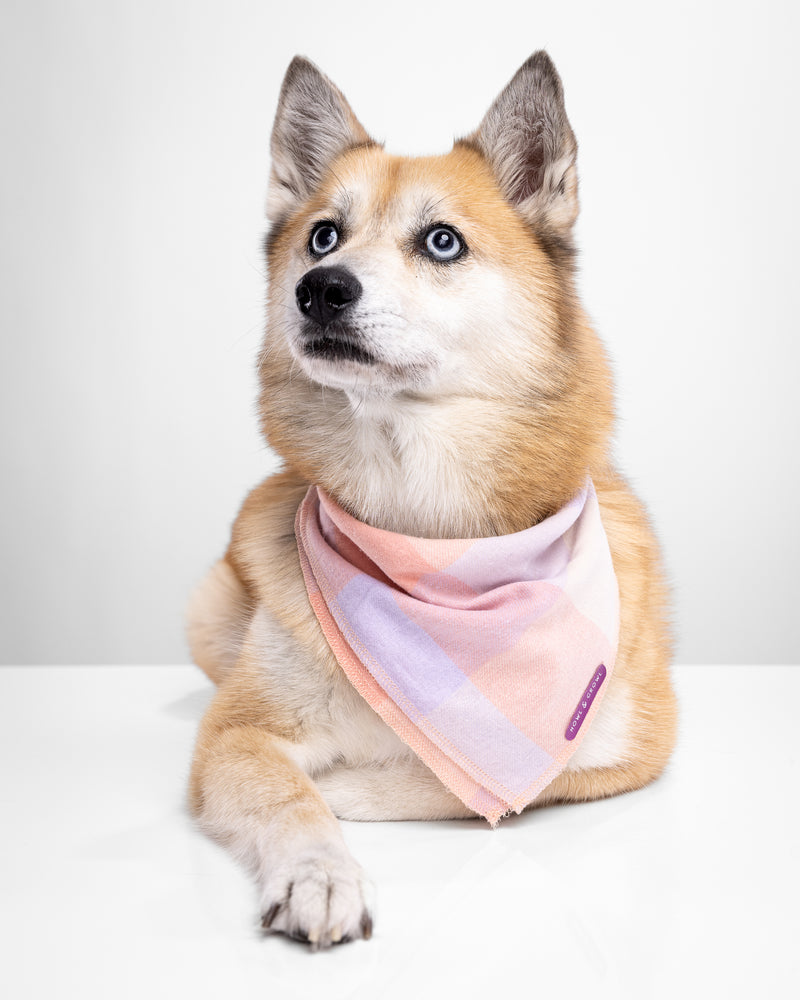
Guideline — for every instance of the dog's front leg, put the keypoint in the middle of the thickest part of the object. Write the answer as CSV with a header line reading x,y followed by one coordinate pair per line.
x,y
248,794
396,789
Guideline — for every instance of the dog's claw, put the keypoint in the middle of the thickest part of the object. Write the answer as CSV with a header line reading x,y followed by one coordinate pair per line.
x,y
268,917
314,939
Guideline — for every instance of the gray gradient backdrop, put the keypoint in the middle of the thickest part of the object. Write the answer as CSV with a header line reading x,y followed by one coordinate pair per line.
x,y
135,157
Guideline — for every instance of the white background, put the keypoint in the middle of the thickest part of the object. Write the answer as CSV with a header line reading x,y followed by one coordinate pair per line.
x,y
134,166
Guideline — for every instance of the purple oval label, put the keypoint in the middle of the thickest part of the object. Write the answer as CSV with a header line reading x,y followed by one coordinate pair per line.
x,y
585,703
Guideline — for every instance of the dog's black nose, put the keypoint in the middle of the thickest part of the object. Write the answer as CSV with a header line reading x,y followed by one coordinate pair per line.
x,y
323,293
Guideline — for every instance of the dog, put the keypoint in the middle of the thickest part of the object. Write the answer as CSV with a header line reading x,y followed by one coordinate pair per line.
x,y
432,384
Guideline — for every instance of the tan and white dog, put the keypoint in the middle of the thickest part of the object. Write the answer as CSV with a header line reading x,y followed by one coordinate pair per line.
x,y
426,363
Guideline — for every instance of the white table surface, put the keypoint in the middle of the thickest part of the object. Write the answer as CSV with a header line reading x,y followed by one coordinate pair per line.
x,y
688,888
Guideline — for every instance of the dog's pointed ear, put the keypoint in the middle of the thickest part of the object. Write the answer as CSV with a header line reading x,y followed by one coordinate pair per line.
x,y
313,125
529,143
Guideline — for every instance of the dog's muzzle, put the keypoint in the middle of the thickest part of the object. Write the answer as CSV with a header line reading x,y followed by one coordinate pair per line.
x,y
324,294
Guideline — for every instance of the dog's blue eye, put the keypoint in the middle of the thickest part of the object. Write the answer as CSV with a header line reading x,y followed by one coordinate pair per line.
x,y
324,237
442,243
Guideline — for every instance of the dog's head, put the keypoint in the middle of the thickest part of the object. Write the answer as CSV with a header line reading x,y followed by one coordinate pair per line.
x,y
396,279
412,274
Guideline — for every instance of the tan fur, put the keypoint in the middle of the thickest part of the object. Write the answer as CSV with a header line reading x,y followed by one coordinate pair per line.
x,y
217,617
484,425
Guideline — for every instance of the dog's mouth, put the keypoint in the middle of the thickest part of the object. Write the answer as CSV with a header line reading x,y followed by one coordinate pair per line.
x,y
336,345
337,355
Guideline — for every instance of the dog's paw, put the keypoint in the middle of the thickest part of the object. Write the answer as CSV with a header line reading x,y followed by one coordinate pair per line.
x,y
317,897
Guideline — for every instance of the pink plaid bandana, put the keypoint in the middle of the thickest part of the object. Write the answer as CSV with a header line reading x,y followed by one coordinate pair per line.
x,y
487,656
